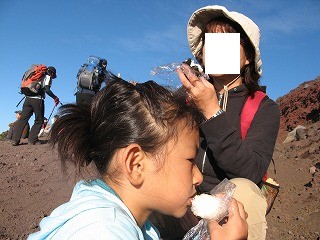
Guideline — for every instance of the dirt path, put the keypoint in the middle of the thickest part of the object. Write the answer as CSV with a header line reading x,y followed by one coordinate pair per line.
x,y
33,185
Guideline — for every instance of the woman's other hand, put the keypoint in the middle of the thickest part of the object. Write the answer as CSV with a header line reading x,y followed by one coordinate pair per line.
x,y
199,90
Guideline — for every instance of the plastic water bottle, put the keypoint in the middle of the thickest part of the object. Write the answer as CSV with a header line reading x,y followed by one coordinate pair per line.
x,y
167,74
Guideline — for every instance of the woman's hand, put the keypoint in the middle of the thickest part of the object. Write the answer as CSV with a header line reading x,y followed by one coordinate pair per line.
x,y
236,227
200,91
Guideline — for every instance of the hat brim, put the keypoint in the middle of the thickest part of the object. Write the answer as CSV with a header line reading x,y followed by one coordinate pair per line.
x,y
197,24
202,16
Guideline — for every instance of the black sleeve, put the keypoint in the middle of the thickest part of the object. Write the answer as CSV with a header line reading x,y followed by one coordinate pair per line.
x,y
104,76
248,158
49,92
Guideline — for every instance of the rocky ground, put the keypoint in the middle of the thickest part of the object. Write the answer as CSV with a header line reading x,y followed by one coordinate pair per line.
x,y
32,183
296,211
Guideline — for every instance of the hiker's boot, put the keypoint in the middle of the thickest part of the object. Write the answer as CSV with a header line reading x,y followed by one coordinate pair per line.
x,y
14,143
37,142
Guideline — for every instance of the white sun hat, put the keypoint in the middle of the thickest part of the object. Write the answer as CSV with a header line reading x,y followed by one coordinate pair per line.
x,y
202,16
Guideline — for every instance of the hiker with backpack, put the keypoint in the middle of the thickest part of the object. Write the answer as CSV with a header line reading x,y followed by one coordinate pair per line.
x,y
224,150
90,77
36,83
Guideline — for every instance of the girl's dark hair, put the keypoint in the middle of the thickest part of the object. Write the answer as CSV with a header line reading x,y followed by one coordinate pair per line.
x,y
122,113
225,25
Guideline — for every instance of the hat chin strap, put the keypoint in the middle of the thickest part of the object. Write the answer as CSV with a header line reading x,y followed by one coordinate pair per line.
x,y
225,91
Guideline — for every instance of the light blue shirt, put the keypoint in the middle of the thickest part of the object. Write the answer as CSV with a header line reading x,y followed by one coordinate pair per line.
x,y
94,211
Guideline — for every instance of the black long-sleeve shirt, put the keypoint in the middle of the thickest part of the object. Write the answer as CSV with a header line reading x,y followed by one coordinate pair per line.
x,y
223,154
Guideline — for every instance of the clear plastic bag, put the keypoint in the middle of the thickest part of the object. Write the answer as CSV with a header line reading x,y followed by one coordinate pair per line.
x,y
198,232
221,195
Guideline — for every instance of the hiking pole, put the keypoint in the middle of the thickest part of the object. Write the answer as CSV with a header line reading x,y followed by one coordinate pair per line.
x,y
49,116
44,125
20,101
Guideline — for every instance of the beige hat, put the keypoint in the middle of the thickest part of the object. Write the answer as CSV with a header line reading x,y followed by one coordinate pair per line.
x,y
202,16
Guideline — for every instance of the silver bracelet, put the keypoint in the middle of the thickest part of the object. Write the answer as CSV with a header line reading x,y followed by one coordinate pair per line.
x,y
215,115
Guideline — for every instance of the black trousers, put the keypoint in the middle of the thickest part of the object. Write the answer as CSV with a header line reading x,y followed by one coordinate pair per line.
x,y
30,106
84,99
25,132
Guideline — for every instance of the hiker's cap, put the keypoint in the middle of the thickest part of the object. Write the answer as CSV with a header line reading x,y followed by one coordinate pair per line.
x,y
19,112
52,71
202,16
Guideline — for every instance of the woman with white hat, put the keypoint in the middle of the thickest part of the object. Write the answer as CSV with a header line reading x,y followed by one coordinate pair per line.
x,y
223,153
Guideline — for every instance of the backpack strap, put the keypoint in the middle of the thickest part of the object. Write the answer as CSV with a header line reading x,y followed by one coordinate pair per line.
x,y
248,111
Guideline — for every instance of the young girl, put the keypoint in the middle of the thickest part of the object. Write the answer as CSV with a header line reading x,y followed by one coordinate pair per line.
x,y
142,140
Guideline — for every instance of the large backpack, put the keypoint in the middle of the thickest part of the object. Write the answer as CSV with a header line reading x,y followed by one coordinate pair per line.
x,y
88,75
31,80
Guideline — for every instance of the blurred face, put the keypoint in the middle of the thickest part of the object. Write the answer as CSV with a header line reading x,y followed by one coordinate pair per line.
x,y
243,60
174,184
52,74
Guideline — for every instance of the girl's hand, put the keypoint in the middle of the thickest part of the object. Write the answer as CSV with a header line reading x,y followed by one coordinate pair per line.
x,y
236,227
199,90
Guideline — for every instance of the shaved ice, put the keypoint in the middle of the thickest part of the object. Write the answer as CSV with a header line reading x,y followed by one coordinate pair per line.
x,y
207,206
